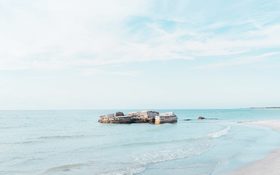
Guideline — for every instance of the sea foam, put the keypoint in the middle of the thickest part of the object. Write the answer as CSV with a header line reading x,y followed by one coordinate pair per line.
x,y
220,133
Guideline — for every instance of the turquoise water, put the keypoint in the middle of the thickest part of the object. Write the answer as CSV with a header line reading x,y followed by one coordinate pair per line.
x,y
73,142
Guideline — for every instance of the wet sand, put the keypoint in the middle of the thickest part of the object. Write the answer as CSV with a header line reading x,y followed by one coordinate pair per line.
x,y
270,165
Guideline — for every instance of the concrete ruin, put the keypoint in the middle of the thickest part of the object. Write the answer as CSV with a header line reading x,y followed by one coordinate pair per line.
x,y
152,117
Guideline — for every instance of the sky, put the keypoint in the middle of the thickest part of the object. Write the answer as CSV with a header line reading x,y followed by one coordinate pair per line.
x,y
139,54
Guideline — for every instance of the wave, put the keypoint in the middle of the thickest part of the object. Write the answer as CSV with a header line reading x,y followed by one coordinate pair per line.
x,y
220,133
69,136
61,137
64,137
215,134
140,162
21,143
198,146
126,171
159,142
64,168
42,138
45,138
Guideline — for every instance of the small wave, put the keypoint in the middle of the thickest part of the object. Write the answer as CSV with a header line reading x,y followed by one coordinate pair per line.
x,y
140,162
68,136
126,171
61,137
220,133
173,154
159,142
43,138
21,143
64,168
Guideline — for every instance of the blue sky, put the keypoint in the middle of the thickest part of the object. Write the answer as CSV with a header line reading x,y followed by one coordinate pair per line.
x,y
91,54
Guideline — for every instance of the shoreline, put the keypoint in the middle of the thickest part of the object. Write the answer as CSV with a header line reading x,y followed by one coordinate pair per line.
x,y
269,165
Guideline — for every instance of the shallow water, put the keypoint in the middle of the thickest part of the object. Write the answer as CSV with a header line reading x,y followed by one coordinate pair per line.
x,y
72,142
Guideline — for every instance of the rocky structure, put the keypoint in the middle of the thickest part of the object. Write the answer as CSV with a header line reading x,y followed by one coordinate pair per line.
x,y
153,117
143,116
168,117
114,118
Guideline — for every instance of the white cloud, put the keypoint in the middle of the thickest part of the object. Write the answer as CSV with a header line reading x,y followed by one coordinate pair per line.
x,y
72,34
239,61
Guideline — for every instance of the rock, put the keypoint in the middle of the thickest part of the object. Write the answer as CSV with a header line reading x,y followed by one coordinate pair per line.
x,y
143,116
167,117
119,114
201,118
139,117
122,120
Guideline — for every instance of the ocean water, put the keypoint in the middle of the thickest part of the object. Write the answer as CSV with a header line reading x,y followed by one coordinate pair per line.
x,y
73,143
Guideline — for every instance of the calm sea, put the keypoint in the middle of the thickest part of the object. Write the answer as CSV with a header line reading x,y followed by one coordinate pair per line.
x,y
72,142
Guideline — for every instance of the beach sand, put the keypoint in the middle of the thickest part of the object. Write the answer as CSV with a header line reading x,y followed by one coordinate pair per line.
x,y
270,165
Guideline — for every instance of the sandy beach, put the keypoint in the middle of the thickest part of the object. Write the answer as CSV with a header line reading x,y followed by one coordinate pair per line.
x,y
270,165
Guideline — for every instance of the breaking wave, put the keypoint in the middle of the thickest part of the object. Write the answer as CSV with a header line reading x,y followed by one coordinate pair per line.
x,y
215,134
220,133
199,146
140,162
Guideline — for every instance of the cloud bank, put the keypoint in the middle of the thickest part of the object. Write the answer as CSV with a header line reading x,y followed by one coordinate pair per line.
x,y
86,34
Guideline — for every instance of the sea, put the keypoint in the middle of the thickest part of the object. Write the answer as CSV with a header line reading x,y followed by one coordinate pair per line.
x,y
72,142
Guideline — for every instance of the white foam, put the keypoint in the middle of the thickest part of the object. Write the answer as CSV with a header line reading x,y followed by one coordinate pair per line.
x,y
220,133
126,171
143,160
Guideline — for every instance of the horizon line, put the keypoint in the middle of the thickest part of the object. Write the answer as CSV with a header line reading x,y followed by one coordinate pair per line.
x,y
91,109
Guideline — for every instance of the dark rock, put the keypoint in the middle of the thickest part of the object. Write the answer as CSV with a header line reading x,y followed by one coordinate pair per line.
x,y
119,114
201,118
